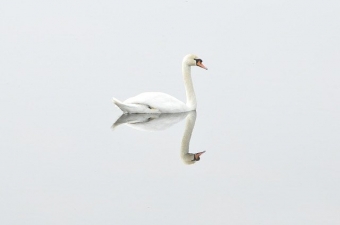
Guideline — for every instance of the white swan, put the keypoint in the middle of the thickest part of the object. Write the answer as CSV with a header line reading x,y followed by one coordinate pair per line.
x,y
157,102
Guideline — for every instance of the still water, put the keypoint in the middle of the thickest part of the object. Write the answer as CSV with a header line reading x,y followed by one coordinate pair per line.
x,y
83,162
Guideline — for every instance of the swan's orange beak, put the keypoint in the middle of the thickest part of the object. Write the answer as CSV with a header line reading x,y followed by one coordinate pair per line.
x,y
201,65
200,153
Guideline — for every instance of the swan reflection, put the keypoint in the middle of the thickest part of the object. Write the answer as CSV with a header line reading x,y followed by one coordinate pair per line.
x,y
150,122
157,122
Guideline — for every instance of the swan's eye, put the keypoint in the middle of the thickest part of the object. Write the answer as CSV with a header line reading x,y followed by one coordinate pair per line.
x,y
198,61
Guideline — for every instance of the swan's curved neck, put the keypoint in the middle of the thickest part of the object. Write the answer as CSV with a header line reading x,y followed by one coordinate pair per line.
x,y
189,87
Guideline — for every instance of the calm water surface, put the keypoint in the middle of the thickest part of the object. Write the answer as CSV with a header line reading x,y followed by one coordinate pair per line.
x,y
61,157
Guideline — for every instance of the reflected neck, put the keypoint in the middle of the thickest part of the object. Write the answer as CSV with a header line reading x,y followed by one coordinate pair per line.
x,y
189,127
189,88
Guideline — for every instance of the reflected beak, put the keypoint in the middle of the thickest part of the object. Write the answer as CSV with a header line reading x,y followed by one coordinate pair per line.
x,y
201,65
199,153
197,156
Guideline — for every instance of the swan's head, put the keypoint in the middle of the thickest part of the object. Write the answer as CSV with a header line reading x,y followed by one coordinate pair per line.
x,y
193,60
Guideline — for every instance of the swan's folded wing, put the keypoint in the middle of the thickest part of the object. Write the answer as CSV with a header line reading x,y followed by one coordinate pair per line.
x,y
134,107
157,100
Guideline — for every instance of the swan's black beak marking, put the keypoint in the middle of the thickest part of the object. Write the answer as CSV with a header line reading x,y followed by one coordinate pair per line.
x,y
200,64
198,61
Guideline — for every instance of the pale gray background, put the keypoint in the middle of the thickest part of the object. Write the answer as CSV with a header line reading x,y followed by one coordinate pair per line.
x,y
268,112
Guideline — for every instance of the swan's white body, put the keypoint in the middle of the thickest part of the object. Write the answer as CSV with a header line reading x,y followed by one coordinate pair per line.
x,y
157,102
152,102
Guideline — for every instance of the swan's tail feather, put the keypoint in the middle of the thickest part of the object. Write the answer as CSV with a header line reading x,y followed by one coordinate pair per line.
x,y
131,108
120,105
114,100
